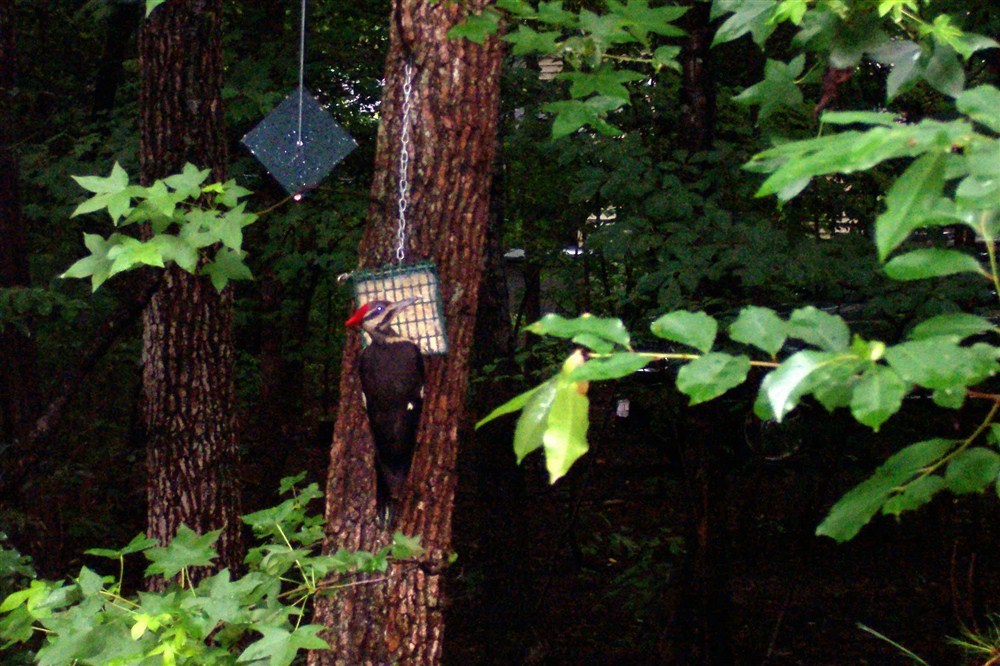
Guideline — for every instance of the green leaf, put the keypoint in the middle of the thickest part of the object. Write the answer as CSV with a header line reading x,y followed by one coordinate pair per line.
x,y
861,503
820,329
574,114
606,328
666,57
909,200
130,253
608,81
186,549
565,437
278,646
905,58
982,104
914,495
950,398
944,71
929,263
760,327
778,89
227,265
514,404
748,17
528,42
188,182
863,117
151,5
530,429
477,27
956,326
972,470
783,387
940,363
710,376
177,250
641,19
695,329
613,366
138,544
877,396
116,182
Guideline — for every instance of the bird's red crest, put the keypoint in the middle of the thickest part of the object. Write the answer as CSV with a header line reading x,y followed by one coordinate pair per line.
x,y
358,316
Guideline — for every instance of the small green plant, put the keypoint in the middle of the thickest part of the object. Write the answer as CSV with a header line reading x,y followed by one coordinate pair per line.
x,y
221,619
199,227
982,646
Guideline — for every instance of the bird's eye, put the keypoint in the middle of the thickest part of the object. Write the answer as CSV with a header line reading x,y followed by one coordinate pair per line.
x,y
378,308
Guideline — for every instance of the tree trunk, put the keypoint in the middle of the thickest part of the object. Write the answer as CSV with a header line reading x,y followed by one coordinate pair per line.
x,y
187,346
17,372
698,80
453,144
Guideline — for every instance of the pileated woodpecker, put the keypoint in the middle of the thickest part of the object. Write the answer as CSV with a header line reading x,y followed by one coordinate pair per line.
x,y
392,379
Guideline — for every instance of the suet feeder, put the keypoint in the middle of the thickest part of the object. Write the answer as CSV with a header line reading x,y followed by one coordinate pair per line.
x,y
423,322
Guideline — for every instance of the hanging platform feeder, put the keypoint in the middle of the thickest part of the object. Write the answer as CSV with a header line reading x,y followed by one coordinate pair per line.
x,y
423,322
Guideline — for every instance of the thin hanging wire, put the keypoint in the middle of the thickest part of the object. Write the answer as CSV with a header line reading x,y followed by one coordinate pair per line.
x,y
302,70
404,162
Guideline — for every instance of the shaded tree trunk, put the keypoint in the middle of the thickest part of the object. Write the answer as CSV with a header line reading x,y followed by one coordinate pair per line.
x,y
698,80
17,372
453,144
187,346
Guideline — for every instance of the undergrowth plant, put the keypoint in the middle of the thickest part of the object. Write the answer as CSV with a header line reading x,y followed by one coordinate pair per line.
x,y
257,616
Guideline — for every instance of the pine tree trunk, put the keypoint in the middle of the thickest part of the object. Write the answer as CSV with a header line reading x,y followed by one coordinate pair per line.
x,y
187,340
453,143
17,372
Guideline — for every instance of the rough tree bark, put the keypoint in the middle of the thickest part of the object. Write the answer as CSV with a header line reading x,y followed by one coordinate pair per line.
x,y
17,372
453,134
187,347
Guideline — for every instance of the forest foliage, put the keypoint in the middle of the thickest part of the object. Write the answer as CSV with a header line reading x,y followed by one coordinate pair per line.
x,y
692,237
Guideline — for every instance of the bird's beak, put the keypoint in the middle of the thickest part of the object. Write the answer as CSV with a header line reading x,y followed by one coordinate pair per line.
x,y
402,305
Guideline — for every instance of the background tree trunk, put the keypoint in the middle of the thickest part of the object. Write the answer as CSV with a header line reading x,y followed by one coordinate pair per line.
x,y
187,345
453,134
17,372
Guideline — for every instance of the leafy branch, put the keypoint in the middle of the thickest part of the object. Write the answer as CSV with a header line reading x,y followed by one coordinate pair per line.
x,y
195,225
218,620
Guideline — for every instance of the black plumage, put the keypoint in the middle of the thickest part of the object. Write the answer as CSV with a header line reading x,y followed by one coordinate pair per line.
x,y
392,379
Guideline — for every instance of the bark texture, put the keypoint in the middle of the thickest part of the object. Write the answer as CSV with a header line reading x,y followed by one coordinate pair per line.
x,y
17,372
453,143
187,342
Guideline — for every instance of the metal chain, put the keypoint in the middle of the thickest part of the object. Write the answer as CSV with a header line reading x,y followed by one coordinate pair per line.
x,y
404,162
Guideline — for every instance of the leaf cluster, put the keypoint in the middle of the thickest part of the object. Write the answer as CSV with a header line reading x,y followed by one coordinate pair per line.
x,y
596,47
196,226
221,619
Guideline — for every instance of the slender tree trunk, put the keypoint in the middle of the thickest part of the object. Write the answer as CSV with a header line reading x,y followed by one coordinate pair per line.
x,y
17,372
187,342
698,80
453,144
